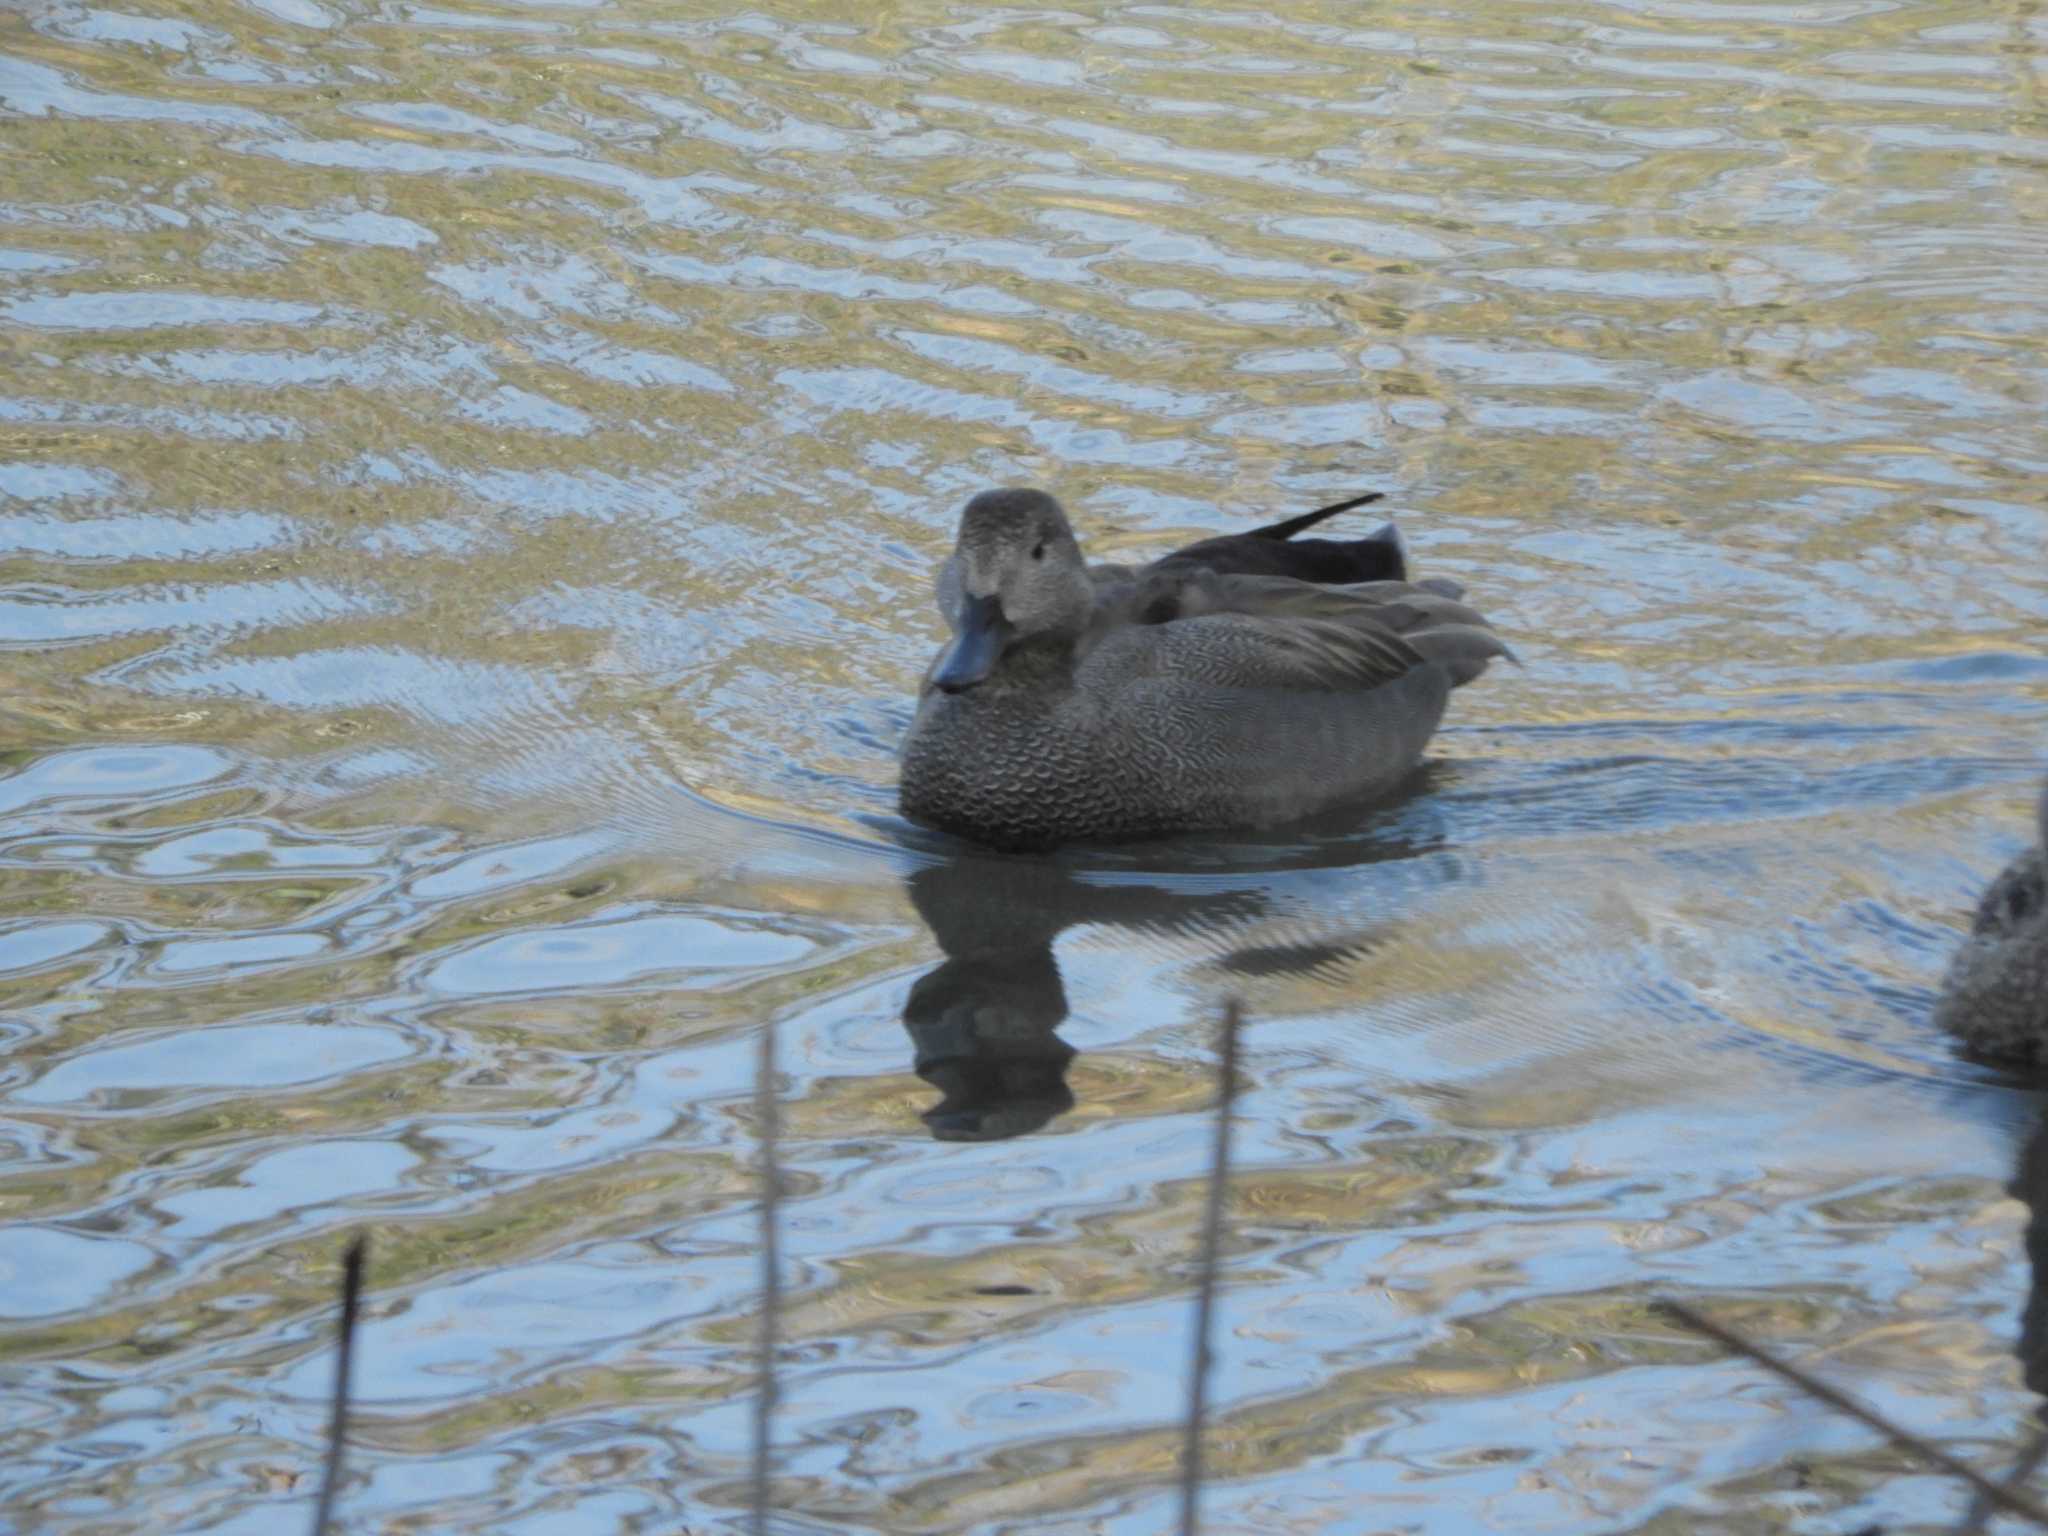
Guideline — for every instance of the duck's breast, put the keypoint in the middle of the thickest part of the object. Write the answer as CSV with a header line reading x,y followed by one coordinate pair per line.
x,y
1023,769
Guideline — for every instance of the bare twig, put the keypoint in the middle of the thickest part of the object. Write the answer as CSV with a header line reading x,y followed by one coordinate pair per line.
x,y
767,1118
1205,1282
1980,1511
2008,1499
352,1259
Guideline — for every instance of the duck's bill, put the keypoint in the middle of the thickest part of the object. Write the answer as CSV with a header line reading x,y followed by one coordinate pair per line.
x,y
977,647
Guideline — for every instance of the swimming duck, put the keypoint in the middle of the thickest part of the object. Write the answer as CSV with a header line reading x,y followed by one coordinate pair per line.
x,y
1995,996
1235,684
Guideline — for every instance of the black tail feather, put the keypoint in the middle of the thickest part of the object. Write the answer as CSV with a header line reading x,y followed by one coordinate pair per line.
x,y
1308,520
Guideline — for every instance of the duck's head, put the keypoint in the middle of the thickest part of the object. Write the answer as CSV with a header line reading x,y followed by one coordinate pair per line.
x,y
1016,575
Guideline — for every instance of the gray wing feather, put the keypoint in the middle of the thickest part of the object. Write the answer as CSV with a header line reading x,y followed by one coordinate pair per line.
x,y
1319,655
1276,632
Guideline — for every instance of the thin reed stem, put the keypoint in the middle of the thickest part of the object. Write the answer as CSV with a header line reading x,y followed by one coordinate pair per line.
x,y
1981,1511
352,1260
768,1121
2010,1500
1205,1280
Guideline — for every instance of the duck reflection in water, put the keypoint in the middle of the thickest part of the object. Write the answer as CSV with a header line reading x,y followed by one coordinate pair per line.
x,y
984,1024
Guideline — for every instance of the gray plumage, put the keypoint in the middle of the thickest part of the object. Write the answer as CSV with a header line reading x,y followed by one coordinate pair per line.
x,y
1077,704
1995,996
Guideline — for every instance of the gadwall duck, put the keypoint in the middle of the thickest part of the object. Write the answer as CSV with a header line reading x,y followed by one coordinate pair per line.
x,y
1995,996
1221,688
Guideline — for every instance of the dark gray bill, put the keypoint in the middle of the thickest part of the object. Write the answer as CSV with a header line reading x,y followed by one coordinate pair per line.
x,y
976,649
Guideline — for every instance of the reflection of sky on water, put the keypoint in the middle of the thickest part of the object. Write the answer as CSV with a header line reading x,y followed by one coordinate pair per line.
x,y
472,477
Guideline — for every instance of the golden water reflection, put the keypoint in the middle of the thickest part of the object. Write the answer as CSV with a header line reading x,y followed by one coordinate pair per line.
x,y
470,475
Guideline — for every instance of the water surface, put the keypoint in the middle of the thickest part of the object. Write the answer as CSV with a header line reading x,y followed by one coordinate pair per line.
x,y
470,476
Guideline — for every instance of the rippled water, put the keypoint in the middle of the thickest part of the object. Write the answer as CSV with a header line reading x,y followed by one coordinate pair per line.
x,y
469,480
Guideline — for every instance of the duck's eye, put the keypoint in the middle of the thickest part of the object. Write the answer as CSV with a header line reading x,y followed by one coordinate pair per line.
x,y
1038,550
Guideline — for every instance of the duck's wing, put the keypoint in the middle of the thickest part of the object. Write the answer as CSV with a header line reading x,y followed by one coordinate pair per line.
x,y
1273,632
1242,650
1431,616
